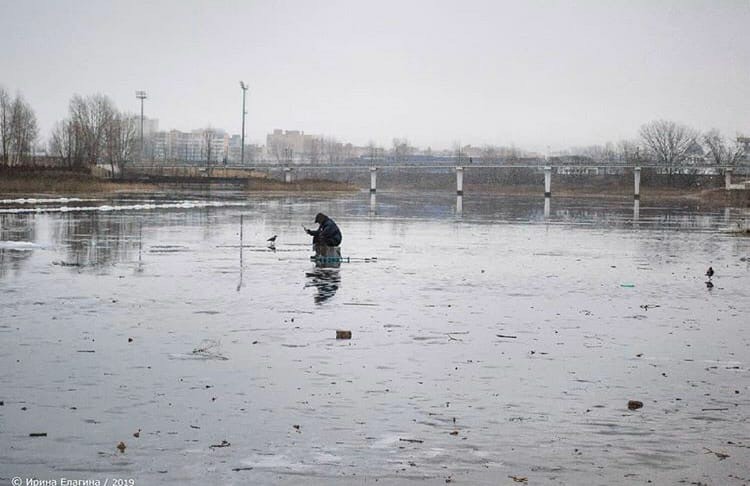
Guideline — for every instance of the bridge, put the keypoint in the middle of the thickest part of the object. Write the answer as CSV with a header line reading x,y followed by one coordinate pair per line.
x,y
234,173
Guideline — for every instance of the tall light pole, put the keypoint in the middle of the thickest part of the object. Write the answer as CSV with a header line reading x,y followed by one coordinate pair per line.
x,y
141,95
242,142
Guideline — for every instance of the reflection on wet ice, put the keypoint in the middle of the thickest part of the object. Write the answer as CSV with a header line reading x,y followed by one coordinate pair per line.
x,y
325,278
19,228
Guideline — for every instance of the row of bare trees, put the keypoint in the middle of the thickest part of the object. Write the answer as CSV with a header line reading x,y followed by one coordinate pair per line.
x,y
326,150
95,132
722,151
666,143
671,145
18,130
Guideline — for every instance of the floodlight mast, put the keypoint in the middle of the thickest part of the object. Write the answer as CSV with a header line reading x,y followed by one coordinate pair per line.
x,y
141,95
243,86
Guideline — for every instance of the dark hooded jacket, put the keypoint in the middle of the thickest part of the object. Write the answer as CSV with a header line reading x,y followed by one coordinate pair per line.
x,y
327,233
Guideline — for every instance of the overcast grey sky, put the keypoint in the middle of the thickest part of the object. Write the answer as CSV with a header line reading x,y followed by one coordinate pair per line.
x,y
530,73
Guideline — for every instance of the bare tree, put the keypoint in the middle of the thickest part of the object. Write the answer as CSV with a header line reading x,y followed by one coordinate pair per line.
x,y
458,151
120,141
667,141
628,152
95,132
208,138
18,130
347,152
62,142
605,154
278,151
90,118
333,150
490,154
316,150
722,152
373,152
512,152
5,111
401,149
24,131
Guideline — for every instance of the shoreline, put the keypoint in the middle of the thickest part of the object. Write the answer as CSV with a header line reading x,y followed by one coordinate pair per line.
x,y
67,183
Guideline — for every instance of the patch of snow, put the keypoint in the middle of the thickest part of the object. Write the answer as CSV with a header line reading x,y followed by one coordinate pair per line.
x,y
18,245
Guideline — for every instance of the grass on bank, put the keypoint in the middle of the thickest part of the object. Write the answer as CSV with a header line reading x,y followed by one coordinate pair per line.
x,y
46,181
63,182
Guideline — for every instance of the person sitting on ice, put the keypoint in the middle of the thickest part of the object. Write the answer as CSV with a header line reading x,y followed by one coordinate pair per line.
x,y
327,237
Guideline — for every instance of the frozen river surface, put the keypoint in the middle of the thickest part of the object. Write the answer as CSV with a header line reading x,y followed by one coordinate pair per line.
x,y
494,346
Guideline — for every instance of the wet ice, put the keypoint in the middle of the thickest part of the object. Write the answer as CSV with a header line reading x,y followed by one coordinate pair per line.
x,y
429,355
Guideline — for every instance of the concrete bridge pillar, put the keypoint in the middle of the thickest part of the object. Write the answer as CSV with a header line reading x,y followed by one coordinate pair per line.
x,y
727,178
636,210
373,179
373,204
460,181
637,183
548,181
288,175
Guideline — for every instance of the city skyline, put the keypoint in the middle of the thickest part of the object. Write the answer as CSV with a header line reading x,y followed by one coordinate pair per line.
x,y
532,75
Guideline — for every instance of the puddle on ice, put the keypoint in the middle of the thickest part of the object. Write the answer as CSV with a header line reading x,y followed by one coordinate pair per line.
x,y
167,248
495,343
18,245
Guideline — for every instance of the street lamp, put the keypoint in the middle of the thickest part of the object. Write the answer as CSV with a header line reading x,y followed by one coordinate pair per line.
x,y
141,95
243,86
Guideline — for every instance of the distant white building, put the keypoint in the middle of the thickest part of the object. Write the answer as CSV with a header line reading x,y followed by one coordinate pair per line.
x,y
744,142
206,145
283,145
150,126
253,153
294,146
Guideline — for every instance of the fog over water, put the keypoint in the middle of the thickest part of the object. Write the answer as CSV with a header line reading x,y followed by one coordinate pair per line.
x,y
532,74
502,340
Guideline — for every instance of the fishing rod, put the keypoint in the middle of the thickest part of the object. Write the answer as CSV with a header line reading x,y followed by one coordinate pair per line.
x,y
337,259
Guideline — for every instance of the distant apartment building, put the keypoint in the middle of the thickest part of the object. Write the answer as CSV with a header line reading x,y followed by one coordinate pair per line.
x,y
253,152
150,126
744,142
284,145
197,146
234,149
150,129
294,146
